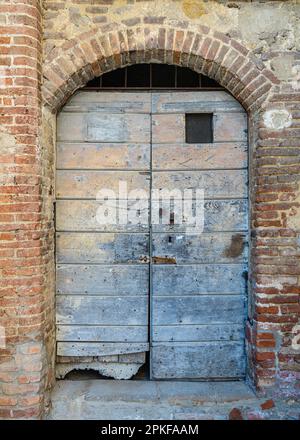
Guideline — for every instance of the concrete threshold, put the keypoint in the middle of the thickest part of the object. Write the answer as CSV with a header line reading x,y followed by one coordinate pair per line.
x,y
145,400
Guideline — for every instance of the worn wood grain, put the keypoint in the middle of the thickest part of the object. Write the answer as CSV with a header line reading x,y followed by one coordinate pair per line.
x,y
199,156
194,102
87,184
219,215
230,127
215,183
110,333
199,279
98,348
112,102
167,128
201,309
95,279
102,156
101,310
74,247
81,215
214,360
198,332
103,127
224,247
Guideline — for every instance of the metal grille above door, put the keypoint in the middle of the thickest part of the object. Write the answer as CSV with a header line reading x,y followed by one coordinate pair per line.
x,y
112,278
153,76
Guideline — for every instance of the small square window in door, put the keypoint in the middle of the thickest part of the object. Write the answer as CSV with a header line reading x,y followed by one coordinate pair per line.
x,y
198,128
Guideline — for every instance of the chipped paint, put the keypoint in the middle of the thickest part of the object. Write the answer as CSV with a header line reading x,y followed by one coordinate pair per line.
x,y
236,246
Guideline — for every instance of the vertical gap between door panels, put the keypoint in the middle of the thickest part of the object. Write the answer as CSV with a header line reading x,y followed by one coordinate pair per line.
x,y
150,245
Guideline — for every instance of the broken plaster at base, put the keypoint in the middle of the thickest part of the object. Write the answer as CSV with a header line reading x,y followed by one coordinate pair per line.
x,y
115,370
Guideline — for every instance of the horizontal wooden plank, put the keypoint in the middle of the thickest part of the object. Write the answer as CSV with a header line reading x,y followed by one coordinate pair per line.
x,y
215,183
230,127
202,309
219,215
170,128
199,156
84,247
113,102
205,248
199,279
102,156
194,102
99,310
95,279
133,358
87,184
98,348
81,215
103,127
213,360
98,333
197,333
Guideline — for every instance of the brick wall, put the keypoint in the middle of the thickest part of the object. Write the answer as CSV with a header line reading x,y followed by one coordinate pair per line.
x,y
253,57
24,238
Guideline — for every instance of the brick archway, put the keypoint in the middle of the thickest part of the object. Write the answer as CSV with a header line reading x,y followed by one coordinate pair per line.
x,y
206,51
225,60
210,53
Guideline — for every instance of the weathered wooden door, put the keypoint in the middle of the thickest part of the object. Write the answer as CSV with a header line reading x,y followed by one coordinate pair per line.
x,y
138,286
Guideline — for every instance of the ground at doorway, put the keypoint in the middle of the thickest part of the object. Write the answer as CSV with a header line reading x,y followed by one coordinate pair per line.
x,y
150,400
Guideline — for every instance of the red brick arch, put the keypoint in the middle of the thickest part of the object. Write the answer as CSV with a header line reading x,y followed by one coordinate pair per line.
x,y
206,51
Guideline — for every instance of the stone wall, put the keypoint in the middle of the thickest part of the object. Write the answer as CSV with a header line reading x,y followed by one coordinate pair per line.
x,y
252,49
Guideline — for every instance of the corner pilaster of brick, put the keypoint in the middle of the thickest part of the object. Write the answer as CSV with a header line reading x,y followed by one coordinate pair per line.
x,y
25,263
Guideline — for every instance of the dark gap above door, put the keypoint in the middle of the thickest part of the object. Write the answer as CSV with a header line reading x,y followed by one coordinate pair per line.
x,y
153,76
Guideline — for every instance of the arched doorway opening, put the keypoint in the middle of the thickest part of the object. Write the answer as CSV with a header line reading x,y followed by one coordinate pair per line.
x,y
146,286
